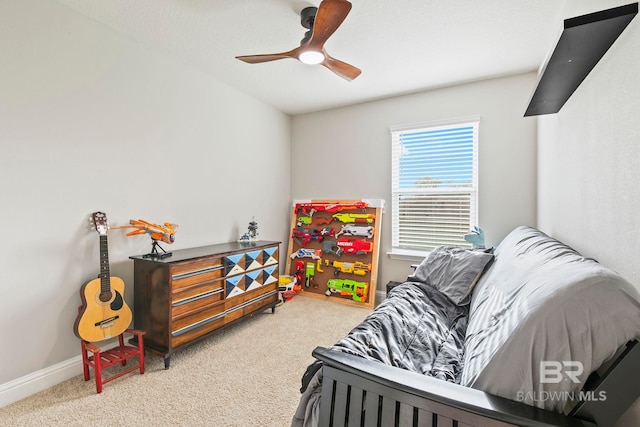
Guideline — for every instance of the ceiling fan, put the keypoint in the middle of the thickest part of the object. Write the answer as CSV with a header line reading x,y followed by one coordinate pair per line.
x,y
322,22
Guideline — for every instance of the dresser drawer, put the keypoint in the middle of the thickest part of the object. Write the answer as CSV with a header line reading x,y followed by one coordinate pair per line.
x,y
187,335
197,296
257,300
250,301
198,323
249,295
190,273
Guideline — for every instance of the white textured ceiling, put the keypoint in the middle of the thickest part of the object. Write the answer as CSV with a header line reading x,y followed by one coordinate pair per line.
x,y
401,46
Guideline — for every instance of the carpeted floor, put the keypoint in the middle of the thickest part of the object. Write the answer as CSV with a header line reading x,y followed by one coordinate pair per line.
x,y
248,375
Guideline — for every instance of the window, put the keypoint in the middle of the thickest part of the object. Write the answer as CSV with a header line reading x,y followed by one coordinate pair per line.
x,y
434,184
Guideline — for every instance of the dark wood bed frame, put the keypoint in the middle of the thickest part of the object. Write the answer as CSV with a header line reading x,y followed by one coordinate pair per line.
x,y
359,392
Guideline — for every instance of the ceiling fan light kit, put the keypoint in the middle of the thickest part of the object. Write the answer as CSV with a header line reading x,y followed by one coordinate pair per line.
x,y
311,57
321,22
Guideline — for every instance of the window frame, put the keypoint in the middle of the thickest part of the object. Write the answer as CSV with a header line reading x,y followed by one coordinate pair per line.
x,y
398,252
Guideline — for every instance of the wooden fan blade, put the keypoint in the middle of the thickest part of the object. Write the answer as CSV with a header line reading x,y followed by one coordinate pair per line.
x,y
331,14
344,70
257,59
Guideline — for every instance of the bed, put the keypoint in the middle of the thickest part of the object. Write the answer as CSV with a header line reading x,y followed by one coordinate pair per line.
x,y
531,334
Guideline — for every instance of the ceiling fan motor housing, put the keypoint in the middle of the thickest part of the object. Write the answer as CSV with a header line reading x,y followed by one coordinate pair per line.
x,y
307,18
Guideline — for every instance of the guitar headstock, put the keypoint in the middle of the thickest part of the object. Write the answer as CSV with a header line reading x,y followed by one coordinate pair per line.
x,y
100,223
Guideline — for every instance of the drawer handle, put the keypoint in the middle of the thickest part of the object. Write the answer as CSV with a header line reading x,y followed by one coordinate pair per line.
x,y
195,298
197,325
197,272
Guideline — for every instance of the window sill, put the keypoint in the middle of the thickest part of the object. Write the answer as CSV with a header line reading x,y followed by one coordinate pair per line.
x,y
407,254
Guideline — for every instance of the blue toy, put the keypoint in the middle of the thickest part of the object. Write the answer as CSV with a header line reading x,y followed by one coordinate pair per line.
x,y
475,237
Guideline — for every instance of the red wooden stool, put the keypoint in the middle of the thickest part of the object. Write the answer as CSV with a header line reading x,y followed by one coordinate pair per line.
x,y
100,360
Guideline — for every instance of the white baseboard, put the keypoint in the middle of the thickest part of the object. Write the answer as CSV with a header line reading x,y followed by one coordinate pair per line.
x,y
45,378
40,380
380,296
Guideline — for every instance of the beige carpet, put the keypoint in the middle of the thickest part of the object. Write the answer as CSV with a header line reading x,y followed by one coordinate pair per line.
x,y
248,375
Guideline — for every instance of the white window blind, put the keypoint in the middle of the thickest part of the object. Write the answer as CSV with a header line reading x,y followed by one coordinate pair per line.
x,y
434,184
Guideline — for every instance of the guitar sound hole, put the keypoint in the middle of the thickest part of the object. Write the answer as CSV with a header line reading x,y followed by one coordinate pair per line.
x,y
105,296
118,302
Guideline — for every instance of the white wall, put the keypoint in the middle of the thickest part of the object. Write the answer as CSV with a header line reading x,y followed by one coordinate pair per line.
x,y
91,121
345,153
589,158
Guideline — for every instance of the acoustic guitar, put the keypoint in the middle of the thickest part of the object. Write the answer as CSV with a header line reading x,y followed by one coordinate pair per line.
x,y
104,312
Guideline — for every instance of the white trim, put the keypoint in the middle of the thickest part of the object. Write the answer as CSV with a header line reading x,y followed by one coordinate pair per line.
x,y
375,203
40,380
435,123
45,378
407,254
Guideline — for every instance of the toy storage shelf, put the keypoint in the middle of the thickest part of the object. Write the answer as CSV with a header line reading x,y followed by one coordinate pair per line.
x,y
344,238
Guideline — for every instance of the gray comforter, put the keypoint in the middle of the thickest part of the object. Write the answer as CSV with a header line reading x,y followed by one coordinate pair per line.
x,y
416,328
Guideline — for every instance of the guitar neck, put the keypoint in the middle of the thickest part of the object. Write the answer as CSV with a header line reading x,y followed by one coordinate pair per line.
x,y
105,281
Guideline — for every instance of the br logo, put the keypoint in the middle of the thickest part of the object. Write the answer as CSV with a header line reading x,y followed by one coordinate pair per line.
x,y
554,371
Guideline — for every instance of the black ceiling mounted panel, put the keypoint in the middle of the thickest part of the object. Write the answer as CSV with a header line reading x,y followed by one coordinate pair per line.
x,y
584,40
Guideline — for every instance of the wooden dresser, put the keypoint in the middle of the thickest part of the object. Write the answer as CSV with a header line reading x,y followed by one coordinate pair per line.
x,y
197,291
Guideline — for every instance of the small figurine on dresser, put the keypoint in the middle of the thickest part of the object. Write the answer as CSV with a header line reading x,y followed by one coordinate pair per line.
x,y
252,232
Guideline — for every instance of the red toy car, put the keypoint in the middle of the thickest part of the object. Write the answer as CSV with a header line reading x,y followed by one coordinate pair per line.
x,y
354,246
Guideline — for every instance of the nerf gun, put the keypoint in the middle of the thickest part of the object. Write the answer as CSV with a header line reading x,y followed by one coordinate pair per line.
x,y
348,245
287,288
356,230
309,274
299,274
358,268
356,290
354,246
330,247
302,235
307,253
347,218
312,207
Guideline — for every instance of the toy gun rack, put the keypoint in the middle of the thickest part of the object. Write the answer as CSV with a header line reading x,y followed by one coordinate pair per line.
x,y
317,254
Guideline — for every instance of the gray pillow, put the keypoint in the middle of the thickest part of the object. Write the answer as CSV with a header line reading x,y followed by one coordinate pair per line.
x,y
453,271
